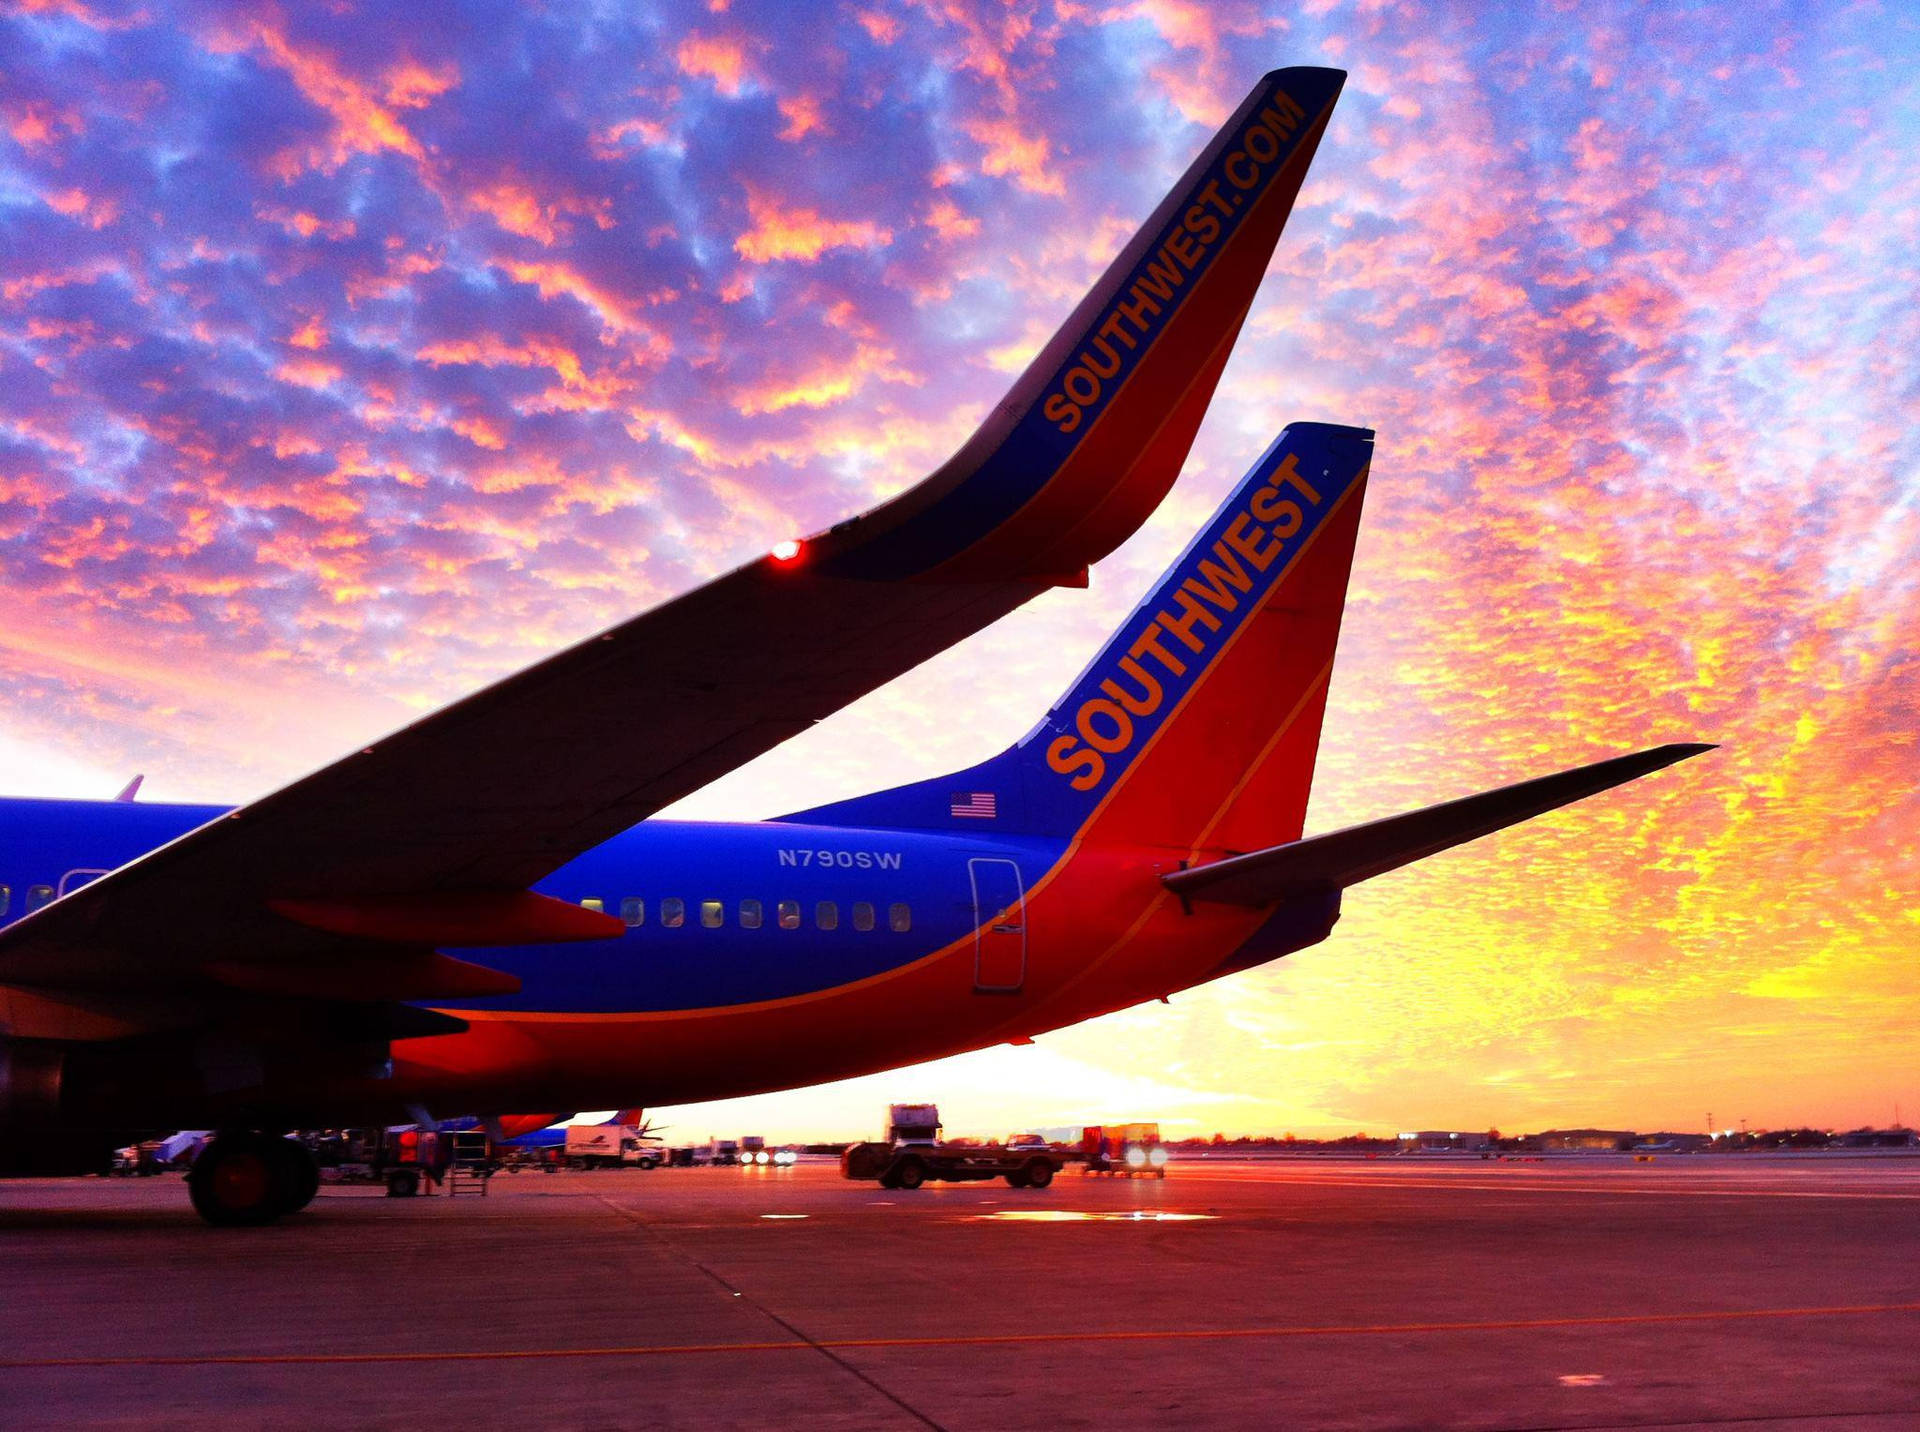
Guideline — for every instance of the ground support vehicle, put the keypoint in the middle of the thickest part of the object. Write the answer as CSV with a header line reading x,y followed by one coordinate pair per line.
x,y
1123,1150
911,1165
471,1167
913,1154
139,1160
593,1146
400,1157
609,1146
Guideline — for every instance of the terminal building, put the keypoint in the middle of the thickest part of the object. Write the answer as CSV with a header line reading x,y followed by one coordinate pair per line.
x,y
1895,1138
1587,1140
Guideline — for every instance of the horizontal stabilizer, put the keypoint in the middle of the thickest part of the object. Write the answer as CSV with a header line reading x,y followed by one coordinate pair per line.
x,y
1346,857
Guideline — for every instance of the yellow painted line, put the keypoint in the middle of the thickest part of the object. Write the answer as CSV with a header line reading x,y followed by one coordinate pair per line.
x,y
1311,1330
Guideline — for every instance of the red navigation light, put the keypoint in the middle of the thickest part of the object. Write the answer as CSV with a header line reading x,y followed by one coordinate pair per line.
x,y
787,551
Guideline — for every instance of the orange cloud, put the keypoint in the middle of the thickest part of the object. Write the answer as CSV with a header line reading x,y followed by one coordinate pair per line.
x,y
308,372
362,124
299,221
946,220
1012,151
94,212
414,86
84,13
310,335
579,390
15,289
615,311
609,141
882,28
399,269
826,385
36,124
480,432
519,211
802,115
720,58
795,233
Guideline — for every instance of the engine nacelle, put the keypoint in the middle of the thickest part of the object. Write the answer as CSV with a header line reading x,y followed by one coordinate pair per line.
x,y
34,1140
31,1074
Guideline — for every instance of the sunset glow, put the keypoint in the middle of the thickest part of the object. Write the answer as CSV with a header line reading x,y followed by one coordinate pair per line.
x,y
355,356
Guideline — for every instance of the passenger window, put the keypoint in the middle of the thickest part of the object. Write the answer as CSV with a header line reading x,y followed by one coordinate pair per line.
x,y
789,914
749,914
599,907
38,895
673,913
634,911
827,915
899,918
6,898
713,914
862,915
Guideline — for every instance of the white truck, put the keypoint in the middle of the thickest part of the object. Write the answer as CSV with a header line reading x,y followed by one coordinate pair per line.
x,y
609,1146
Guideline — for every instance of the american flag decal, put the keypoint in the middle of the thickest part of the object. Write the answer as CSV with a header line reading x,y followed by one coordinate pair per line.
x,y
978,805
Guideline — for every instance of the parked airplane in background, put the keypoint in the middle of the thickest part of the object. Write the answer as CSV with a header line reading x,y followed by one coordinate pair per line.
x,y
285,965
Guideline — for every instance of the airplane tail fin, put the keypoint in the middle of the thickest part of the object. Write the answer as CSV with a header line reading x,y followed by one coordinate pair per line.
x,y
1197,725
1088,440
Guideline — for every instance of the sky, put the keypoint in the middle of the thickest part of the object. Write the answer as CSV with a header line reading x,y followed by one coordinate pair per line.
x,y
354,355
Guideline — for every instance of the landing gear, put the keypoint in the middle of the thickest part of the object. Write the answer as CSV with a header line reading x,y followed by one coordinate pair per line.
x,y
245,1179
304,1182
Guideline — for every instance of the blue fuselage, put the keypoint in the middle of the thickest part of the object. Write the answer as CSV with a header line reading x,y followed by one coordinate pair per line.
x,y
717,914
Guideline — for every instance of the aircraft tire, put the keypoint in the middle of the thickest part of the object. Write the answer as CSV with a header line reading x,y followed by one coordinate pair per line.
x,y
910,1175
302,1175
1039,1174
240,1180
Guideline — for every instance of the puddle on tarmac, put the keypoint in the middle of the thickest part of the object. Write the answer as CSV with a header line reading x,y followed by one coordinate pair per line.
x,y
1062,1215
782,1217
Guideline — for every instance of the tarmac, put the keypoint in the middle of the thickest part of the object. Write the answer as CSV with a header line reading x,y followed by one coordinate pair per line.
x,y
1686,1292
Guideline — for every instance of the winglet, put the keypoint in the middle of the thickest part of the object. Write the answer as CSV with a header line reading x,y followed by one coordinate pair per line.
x,y
131,789
1087,442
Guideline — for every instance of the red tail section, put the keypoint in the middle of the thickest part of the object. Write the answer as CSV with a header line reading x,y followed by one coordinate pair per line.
x,y
1205,711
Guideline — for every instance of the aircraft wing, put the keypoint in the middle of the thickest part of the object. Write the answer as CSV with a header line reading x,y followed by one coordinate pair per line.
x,y
343,884
1322,863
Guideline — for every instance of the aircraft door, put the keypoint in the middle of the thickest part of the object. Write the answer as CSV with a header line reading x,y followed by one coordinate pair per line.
x,y
74,879
1000,927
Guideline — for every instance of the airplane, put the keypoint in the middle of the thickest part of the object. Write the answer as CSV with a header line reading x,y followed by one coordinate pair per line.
x,y
482,911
